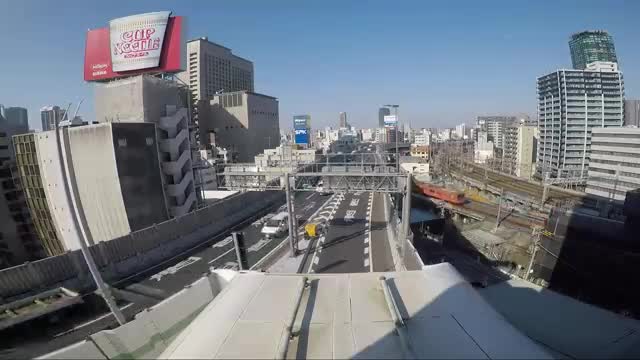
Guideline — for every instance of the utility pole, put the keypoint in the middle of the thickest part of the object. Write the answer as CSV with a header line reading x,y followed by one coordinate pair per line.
x,y
406,214
103,288
499,211
292,221
536,244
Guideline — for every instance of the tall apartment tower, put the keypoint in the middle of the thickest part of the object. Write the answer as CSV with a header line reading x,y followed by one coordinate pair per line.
x,y
590,46
343,120
495,126
570,104
382,112
50,116
519,150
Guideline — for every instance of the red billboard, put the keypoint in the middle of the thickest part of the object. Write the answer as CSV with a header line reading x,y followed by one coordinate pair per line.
x,y
155,47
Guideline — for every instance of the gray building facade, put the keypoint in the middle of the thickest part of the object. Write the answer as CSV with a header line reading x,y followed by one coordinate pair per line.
x,y
382,112
18,239
17,116
242,122
632,113
50,116
570,104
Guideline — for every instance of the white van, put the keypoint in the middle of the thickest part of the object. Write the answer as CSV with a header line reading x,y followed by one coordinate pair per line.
x,y
276,225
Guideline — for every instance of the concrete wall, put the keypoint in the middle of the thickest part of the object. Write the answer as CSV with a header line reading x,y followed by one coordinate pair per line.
x,y
96,178
137,251
153,330
53,185
139,174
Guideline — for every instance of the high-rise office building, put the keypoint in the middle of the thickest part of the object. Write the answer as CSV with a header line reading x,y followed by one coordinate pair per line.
x,y
382,112
50,116
113,174
632,113
589,46
614,167
343,120
213,69
242,122
17,116
18,240
570,104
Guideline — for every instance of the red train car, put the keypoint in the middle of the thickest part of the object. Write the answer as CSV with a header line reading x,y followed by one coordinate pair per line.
x,y
439,192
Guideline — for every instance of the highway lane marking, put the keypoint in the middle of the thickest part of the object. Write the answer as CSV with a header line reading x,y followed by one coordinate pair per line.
x,y
90,322
350,215
316,259
308,197
225,253
222,243
366,250
366,263
258,245
368,234
354,202
175,268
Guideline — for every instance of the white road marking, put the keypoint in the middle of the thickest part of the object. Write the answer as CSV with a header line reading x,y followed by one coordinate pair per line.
x,y
366,250
90,322
258,245
225,253
350,215
309,197
368,234
354,202
316,260
175,268
366,262
222,243
366,240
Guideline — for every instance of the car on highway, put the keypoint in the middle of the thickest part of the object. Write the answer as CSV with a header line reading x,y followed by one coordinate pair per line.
x,y
276,226
320,188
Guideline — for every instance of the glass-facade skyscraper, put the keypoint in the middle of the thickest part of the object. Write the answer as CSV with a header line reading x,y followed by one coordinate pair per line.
x,y
590,46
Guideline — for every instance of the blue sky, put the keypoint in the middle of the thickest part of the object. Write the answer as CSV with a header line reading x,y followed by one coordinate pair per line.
x,y
443,62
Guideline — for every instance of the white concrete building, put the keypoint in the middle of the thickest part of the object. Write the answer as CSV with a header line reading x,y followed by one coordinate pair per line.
x,y
614,167
422,138
461,131
368,135
571,103
114,178
483,148
288,155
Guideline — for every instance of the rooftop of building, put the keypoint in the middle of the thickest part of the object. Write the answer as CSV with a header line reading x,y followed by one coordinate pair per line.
x,y
588,32
437,314
247,92
206,39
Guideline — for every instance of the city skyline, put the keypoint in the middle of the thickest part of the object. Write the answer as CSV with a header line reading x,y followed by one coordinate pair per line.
x,y
489,81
